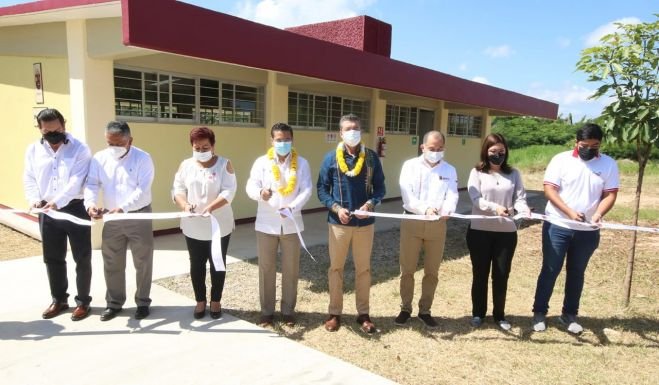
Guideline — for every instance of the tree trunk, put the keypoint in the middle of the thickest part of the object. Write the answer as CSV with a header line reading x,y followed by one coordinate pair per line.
x,y
629,272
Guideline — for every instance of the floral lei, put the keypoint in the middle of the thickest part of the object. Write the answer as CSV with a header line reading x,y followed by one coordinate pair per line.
x,y
342,162
292,179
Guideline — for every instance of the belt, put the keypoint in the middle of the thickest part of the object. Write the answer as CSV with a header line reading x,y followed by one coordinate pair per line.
x,y
141,209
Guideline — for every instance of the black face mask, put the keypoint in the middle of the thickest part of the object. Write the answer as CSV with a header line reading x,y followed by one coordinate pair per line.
x,y
54,137
496,159
587,153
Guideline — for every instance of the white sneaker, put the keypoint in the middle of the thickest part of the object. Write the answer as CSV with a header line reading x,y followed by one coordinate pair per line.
x,y
539,322
570,321
476,322
504,325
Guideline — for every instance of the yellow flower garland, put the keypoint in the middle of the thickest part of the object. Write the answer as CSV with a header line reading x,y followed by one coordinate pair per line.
x,y
292,179
342,162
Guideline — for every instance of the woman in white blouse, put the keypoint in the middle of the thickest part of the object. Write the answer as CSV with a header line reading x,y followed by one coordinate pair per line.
x,y
495,189
205,184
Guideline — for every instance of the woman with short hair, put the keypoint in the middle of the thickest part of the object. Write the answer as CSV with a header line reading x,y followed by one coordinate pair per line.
x,y
205,184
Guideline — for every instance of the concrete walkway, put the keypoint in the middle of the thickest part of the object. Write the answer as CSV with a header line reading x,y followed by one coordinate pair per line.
x,y
168,347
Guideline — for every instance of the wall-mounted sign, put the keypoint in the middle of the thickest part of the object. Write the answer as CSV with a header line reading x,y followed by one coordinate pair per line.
x,y
414,140
380,132
38,83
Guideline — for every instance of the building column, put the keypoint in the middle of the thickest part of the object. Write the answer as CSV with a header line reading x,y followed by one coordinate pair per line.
x,y
91,87
91,93
276,104
378,119
487,122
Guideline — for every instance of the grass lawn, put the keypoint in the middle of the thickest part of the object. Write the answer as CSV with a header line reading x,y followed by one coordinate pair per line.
x,y
619,346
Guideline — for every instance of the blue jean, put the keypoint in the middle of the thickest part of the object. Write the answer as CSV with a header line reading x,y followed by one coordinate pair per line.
x,y
557,242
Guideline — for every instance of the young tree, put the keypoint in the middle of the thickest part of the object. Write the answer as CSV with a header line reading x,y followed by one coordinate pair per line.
x,y
627,63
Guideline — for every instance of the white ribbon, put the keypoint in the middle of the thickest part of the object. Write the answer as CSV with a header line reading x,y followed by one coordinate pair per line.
x,y
216,237
542,217
53,214
288,213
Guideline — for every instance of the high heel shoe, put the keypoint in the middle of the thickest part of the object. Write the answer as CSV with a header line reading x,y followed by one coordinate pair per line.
x,y
199,314
216,314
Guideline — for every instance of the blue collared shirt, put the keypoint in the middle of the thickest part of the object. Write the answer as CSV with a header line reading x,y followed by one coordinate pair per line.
x,y
350,192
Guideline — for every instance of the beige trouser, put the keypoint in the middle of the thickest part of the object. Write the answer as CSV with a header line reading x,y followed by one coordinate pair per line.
x,y
413,235
267,245
340,238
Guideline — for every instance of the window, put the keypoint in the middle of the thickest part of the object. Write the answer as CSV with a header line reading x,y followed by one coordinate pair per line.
x,y
401,119
322,112
167,97
464,125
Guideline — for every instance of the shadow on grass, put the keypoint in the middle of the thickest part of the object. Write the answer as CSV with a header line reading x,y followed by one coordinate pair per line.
x,y
597,331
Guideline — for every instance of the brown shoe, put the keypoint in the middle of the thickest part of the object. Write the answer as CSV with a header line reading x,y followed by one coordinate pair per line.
x,y
266,321
333,323
365,324
54,309
289,320
80,312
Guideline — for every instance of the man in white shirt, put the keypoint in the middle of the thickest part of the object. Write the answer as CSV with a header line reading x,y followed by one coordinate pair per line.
x,y
124,173
581,185
55,169
279,180
429,186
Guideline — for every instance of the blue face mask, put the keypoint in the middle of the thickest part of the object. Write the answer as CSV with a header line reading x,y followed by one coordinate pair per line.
x,y
283,148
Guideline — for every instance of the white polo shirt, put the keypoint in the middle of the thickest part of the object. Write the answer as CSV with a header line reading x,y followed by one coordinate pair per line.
x,y
423,186
580,183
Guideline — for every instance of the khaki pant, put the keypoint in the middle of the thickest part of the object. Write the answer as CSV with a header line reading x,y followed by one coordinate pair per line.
x,y
267,245
340,238
413,235
117,237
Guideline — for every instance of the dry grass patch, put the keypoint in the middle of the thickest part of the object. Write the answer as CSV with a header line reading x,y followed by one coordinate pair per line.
x,y
17,245
618,346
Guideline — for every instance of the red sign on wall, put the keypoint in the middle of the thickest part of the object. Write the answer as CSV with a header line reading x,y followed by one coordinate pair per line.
x,y
380,133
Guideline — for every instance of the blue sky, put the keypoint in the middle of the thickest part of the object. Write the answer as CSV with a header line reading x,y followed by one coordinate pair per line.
x,y
527,46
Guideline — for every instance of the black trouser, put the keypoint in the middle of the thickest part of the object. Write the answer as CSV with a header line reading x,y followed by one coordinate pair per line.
x,y
200,253
54,234
495,249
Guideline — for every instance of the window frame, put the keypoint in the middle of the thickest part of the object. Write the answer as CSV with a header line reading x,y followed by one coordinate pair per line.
x,y
330,113
466,125
259,92
402,129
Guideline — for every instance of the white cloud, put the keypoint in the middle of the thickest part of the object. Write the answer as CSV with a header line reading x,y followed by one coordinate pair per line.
x,y
480,79
571,98
593,38
463,67
498,51
290,13
563,42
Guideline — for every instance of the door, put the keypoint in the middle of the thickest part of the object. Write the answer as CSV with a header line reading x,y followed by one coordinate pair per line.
x,y
426,123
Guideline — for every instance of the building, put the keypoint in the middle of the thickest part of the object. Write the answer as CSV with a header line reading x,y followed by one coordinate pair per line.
x,y
166,66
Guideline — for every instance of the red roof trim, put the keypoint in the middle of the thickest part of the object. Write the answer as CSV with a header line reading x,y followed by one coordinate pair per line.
x,y
180,28
193,31
46,5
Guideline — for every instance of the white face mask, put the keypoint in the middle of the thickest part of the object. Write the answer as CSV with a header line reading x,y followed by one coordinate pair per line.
x,y
433,156
202,156
352,137
117,151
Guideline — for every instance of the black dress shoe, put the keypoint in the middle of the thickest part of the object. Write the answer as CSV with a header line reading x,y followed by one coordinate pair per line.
x,y
109,313
142,312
